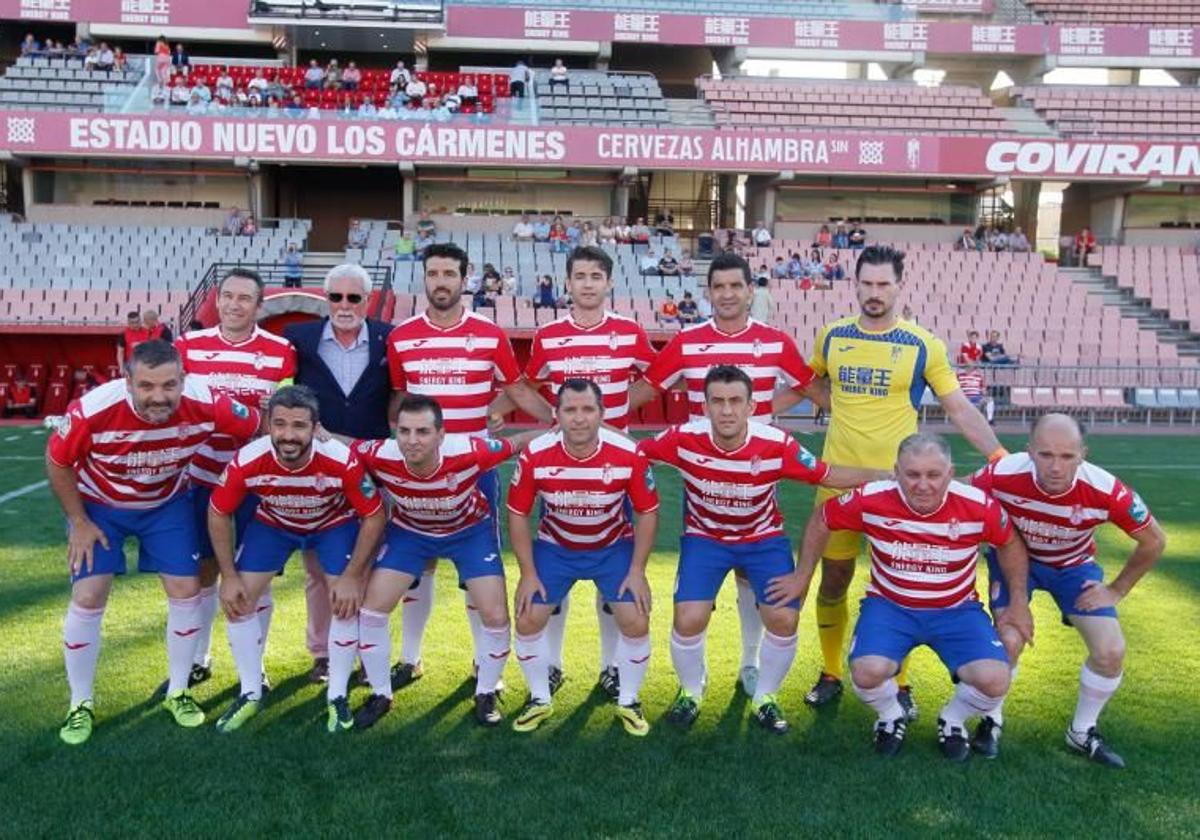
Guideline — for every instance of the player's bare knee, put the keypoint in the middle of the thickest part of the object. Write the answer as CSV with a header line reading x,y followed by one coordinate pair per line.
x,y
692,619
178,586
89,594
781,621
1108,657
631,623
530,623
992,678
869,674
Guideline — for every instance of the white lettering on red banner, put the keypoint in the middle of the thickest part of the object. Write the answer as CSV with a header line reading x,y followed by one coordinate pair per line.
x,y
817,34
1081,40
46,9
636,26
993,39
727,31
1171,42
1129,159
547,24
146,11
905,36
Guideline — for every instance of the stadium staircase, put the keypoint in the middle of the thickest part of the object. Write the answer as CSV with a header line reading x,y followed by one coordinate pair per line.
x,y
1149,319
1027,122
689,113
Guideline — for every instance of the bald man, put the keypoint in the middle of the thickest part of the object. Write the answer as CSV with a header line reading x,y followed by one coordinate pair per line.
x,y
1056,499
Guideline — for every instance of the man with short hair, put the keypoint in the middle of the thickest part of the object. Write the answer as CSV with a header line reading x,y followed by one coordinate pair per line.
x,y
970,351
779,271
523,230
437,510
994,352
356,237
314,76
668,266
761,236
462,360
587,479
1057,499
731,467
876,367
689,313
118,466
313,495
246,363
925,530
668,310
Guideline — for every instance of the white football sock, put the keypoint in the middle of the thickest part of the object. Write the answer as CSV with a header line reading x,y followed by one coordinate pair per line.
x,y
414,617
609,634
246,643
777,655
492,658
375,650
989,410
997,714
265,609
633,660
183,629
533,654
967,702
687,655
1094,691
208,614
556,631
751,623
475,623
882,699
81,649
343,647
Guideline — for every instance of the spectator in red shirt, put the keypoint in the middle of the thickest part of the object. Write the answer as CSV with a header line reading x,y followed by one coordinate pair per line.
x,y
668,312
1085,243
21,400
970,351
974,388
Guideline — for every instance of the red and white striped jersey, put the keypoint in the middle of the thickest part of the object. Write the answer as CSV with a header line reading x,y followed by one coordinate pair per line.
x,y
768,355
583,499
249,371
731,496
446,501
607,354
921,561
1059,530
330,489
126,462
972,383
458,366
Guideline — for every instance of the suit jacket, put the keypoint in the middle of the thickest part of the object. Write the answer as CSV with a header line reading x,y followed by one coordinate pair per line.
x,y
363,412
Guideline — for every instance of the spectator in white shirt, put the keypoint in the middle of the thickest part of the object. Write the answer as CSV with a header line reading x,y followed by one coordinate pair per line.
x,y
1018,242
314,76
648,264
761,236
523,230
558,74
415,91
180,93
400,75
518,77
105,59
508,283
333,75
225,84
258,83
201,90
468,93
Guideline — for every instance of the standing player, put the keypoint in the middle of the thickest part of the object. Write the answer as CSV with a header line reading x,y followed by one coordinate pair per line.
x,y
457,357
1056,500
118,466
246,363
438,509
924,530
768,355
877,367
731,467
314,495
597,345
585,476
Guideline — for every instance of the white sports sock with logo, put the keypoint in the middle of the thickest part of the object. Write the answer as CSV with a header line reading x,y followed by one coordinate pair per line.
x,y
208,615
416,607
777,655
183,631
687,655
375,650
533,654
1094,692
81,650
633,660
343,648
750,621
246,643
492,658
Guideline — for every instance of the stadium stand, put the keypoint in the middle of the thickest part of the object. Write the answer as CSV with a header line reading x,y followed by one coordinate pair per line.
x,y
1125,112
824,9
1167,278
1151,13
596,96
38,83
795,104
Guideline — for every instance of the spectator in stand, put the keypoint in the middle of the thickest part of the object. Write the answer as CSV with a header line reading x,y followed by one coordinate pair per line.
x,y
405,246
763,271
795,267
648,264
824,237
400,75
588,237
1018,243
687,268
490,276
481,299
640,233
181,62
574,235
664,224
181,94
468,92
761,305
473,279
314,76
841,239
162,61
832,269
624,232
233,222
974,388
105,58
249,227
296,107
356,236
970,351
424,239
706,245
21,399
668,266
858,237
160,95
120,62
541,229
258,83
966,241
814,267
493,284
760,236
426,225
994,352
333,75
508,282
293,267
201,91
416,91
999,241
523,229
225,85
779,271
30,45
668,312
518,78
90,58
352,77
1085,243
607,231
558,236
559,74
689,312
545,297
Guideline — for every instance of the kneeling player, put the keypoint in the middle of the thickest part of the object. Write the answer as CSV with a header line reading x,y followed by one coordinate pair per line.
x,y
584,475
1056,500
731,467
314,495
924,530
437,510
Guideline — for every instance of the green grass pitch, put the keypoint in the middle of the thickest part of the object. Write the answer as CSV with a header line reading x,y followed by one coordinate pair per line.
x,y
427,770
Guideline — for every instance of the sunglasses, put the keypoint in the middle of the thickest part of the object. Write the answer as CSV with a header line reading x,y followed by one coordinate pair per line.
x,y
336,297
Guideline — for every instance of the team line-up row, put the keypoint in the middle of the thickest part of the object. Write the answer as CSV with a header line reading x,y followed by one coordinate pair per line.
x,y
164,455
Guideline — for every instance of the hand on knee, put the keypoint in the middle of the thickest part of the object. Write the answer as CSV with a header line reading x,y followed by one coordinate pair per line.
x,y
528,625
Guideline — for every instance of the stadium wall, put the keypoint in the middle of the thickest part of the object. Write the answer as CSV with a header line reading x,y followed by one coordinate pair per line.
x,y
514,196
82,186
159,216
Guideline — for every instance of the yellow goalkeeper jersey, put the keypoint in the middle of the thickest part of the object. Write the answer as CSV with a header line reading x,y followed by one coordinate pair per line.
x,y
876,382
